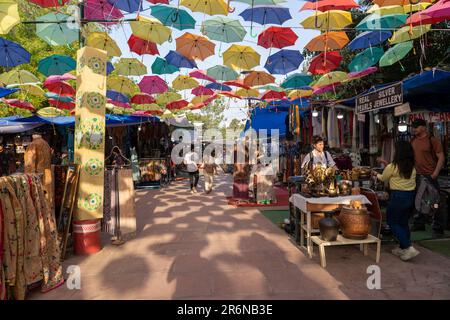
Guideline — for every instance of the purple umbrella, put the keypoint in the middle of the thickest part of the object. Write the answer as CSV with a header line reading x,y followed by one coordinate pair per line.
x,y
266,14
369,39
117,96
180,61
101,10
218,86
153,84
284,61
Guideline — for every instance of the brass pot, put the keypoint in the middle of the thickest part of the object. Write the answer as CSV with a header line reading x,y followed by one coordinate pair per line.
x,y
355,223
345,187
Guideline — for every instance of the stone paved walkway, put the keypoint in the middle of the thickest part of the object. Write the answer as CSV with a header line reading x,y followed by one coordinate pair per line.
x,y
198,247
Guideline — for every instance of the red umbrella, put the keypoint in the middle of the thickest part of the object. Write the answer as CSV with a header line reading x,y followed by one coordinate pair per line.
x,y
179,104
20,104
325,62
49,3
202,91
62,104
62,88
141,46
436,13
273,95
59,78
101,10
142,98
153,84
119,104
159,1
200,74
236,83
277,37
326,5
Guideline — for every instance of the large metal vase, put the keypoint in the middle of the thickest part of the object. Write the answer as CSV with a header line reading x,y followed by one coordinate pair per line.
x,y
355,223
329,227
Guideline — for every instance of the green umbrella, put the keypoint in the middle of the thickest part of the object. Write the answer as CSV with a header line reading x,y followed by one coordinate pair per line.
x,y
59,31
161,66
222,73
173,17
224,30
130,67
366,59
18,77
56,65
269,87
396,53
376,22
296,81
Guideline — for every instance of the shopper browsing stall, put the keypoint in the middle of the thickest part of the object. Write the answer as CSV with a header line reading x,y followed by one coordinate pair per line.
x,y
318,156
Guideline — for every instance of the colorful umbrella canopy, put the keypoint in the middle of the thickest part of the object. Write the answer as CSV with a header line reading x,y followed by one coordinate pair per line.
x,y
300,93
176,105
141,46
55,96
179,61
362,73
325,5
109,68
117,96
9,15
382,11
396,53
173,17
228,94
101,10
200,74
122,84
16,103
324,89
277,37
161,66
266,14
202,91
368,39
366,59
167,97
273,95
102,40
56,65
142,98
153,84
375,21
58,78
407,33
167,114
28,88
258,78
18,76
211,7
61,88
127,5
49,3
325,62
436,13
200,99
224,29
159,1
12,54
332,19
284,61
247,92
241,57
218,86
261,2
328,41
151,108
296,81
269,87
237,83
119,104
331,78
130,67
58,31
222,73
384,3
50,112
194,46
150,29
6,91
184,82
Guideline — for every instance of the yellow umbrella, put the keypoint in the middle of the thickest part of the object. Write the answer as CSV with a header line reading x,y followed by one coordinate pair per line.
x,y
18,77
211,7
9,15
385,3
50,112
101,40
241,57
331,77
184,82
167,97
130,67
148,107
247,92
398,9
300,93
200,99
167,115
407,33
258,78
332,19
150,29
28,88
122,84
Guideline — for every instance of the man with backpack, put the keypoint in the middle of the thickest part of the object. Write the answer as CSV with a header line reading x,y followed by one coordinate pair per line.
x,y
429,160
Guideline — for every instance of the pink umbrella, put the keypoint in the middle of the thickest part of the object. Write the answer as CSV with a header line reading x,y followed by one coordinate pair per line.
x,y
101,10
119,104
153,84
142,113
62,88
20,104
62,104
362,73
200,74
59,78
202,91
320,90
436,13
142,98
179,104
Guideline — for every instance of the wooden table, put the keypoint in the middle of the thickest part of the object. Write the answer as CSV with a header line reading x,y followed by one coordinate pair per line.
x,y
305,206
341,241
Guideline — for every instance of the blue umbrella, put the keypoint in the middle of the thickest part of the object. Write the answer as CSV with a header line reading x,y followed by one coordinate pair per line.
x,y
284,61
366,59
127,5
56,65
12,54
180,61
218,86
369,39
55,96
5,92
266,14
109,67
117,96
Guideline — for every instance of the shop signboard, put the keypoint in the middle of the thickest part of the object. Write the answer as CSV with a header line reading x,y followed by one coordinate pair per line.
x,y
386,97
402,109
429,116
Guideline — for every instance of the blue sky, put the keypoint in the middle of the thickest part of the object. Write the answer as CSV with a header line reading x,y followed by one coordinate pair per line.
x,y
233,109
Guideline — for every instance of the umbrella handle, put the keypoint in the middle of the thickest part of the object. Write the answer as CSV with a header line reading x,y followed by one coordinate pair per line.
x,y
316,20
251,33
231,10
174,16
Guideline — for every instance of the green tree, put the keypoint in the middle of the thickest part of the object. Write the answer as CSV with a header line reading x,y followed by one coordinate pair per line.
x,y
211,116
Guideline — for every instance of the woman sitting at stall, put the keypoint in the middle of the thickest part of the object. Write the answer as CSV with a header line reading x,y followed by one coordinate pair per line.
x,y
318,156
402,183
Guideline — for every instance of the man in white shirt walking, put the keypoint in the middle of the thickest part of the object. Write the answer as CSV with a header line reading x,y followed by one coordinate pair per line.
x,y
191,160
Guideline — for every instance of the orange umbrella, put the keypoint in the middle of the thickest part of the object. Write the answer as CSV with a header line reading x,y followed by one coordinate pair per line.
x,y
328,41
258,78
195,47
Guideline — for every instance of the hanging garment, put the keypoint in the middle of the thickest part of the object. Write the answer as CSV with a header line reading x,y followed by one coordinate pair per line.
x,y
354,132
373,142
317,125
332,128
135,165
324,124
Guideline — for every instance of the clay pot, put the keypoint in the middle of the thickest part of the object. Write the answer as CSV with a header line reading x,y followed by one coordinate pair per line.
x,y
355,223
315,218
329,227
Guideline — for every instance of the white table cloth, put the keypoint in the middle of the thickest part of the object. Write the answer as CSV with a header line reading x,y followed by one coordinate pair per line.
x,y
300,201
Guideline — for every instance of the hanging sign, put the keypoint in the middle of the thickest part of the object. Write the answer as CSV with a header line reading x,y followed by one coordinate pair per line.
x,y
402,109
361,117
386,97
429,116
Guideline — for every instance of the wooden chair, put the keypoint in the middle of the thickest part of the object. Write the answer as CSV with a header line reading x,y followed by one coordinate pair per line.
x,y
374,209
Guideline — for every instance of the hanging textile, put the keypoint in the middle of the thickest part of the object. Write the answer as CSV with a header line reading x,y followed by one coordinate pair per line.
x,y
354,132
332,128
317,125
323,114
361,134
373,141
